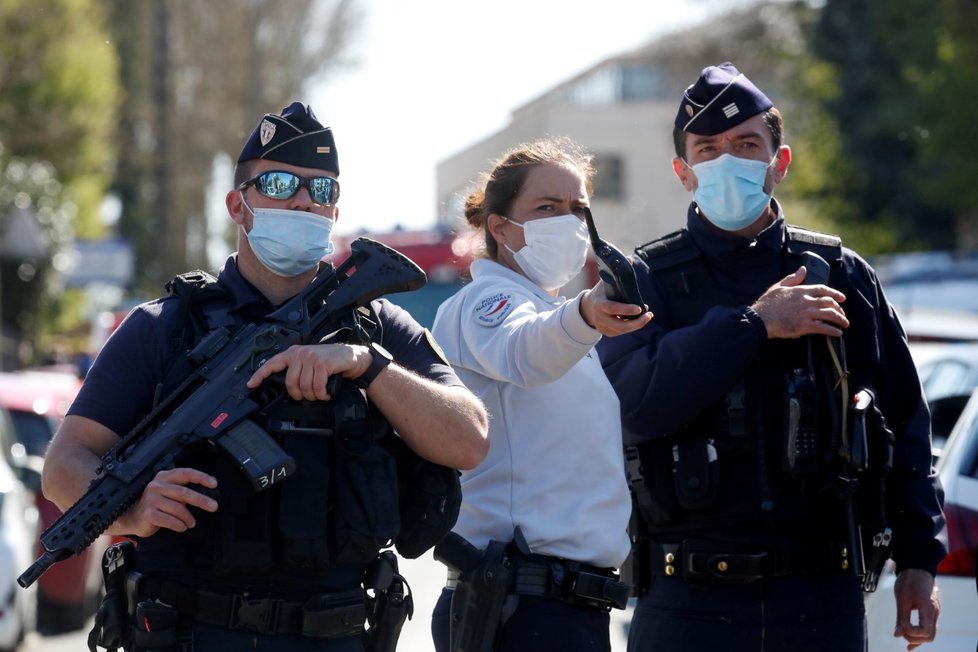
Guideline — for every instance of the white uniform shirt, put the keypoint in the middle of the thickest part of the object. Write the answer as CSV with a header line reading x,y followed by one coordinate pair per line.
x,y
555,465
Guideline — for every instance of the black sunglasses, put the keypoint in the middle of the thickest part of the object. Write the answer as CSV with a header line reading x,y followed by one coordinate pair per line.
x,y
279,184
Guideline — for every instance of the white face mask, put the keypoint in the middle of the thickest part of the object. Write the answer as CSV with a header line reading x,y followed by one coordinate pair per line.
x,y
289,242
555,251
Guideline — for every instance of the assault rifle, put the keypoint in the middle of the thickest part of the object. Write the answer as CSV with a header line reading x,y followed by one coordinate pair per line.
x,y
214,403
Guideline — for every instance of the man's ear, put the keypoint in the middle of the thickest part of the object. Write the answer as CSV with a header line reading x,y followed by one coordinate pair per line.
x,y
686,176
235,205
781,164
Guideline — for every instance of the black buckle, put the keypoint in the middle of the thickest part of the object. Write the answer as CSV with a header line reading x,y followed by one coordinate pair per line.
x,y
602,591
725,568
260,616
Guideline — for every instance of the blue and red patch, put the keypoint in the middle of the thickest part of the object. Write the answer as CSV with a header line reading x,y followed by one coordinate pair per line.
x,y
492,310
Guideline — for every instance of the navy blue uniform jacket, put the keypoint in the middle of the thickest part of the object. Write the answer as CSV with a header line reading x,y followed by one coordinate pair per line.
x,y
664,376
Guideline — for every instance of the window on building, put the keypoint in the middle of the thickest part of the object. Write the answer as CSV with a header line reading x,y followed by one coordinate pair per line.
x,y
616,83
609,178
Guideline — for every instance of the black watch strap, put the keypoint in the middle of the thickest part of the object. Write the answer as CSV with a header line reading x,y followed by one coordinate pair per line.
x,y
379,359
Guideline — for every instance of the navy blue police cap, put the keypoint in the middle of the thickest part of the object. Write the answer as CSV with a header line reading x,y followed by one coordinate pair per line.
x,y
721,98
295,137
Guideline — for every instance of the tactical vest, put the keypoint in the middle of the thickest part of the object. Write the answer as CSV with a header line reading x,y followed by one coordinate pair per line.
x,y
730,466
357,488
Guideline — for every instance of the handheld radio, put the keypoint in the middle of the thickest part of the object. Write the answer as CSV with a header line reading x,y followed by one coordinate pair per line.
x,y
614,268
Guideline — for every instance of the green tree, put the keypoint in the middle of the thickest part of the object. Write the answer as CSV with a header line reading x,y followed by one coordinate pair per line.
x,y
198,74
58,95
874,66
948,165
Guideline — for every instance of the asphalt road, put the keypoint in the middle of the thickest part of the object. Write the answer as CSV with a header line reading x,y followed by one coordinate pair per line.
x,y
426,578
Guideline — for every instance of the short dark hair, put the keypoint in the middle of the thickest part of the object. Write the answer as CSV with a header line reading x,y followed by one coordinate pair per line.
x,y
243,172
772,120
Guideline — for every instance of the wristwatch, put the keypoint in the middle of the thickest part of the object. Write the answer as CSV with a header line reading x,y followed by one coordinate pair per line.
x,y
380,358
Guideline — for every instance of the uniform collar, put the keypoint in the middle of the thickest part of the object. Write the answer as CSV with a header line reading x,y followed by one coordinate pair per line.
x,y
245,297
732,250
487,267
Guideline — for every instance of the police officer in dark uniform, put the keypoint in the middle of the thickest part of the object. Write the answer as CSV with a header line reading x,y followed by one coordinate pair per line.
x,y
778,439
219,566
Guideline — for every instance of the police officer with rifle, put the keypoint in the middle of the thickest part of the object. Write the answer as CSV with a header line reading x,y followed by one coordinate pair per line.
x,y
263,528
779,442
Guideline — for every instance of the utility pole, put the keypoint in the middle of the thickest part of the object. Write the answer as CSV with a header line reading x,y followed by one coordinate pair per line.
x,y
164,181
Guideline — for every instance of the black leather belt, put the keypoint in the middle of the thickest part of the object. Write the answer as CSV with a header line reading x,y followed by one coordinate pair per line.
x,y
569,581
326,615
714,563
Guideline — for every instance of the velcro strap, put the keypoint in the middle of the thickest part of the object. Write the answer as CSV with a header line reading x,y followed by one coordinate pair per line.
x,y
335,615
569,582
602,589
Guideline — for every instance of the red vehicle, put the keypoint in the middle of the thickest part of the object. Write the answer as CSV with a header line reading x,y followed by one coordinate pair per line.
x,y
69,591
443,255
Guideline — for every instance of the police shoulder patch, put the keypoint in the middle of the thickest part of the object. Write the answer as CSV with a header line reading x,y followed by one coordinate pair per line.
x,y
437,349
492,310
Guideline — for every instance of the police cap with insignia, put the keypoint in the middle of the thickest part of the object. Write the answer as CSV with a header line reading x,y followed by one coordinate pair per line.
x,y
295,137
721,98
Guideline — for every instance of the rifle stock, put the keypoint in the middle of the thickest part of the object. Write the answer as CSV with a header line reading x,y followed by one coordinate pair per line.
x,y
214,403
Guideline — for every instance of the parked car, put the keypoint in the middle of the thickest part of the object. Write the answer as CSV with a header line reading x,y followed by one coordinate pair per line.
x,y
948,373
69,592
18,536
957,628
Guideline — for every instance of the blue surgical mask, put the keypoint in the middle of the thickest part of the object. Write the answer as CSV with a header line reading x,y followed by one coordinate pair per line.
x,y
289,242
730,191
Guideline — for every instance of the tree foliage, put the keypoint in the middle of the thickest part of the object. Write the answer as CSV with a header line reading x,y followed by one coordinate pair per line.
x,y
57,116
199,76
887,82
948,166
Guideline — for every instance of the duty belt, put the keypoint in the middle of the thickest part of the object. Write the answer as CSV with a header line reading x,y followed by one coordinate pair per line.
x,y
567,581
570,582
713,563
326,615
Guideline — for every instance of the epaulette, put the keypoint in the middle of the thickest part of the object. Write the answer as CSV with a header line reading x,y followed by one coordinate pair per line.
x,y
826,245
669,250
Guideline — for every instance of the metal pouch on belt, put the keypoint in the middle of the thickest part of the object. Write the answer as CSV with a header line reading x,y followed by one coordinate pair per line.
x,y
155,626
695,472
483,586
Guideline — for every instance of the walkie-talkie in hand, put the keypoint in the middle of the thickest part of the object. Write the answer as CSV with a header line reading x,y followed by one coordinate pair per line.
x,y
614,269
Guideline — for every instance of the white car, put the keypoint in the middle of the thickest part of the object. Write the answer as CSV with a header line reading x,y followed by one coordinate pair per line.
x,y
18,536
957,629
948,373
